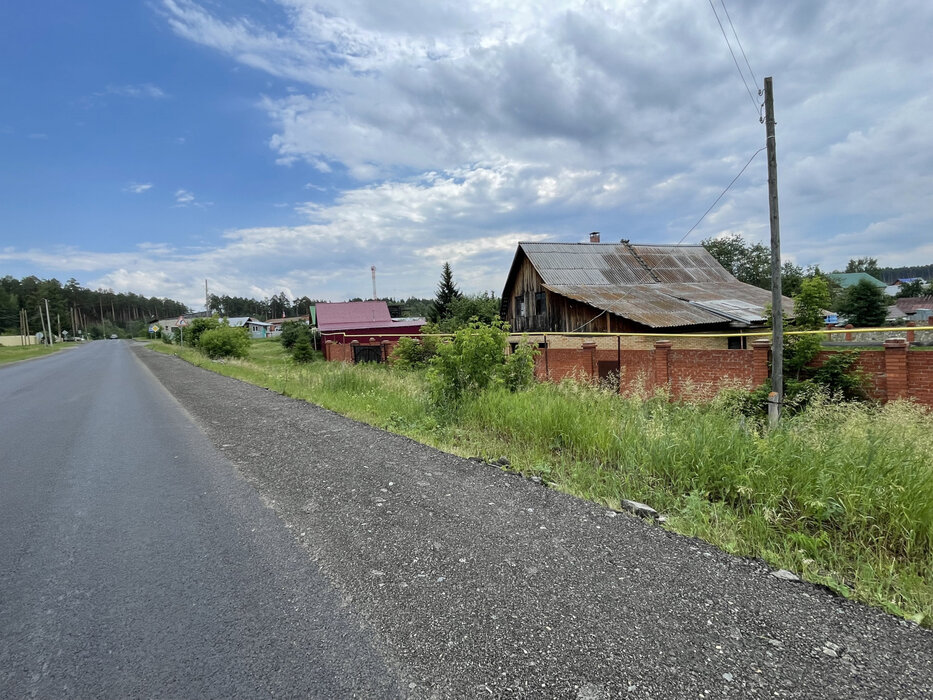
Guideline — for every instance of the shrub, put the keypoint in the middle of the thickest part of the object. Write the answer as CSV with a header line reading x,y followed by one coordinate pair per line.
x,y
410,353
475,360
224,342
294,332
197,327
302,351
519,370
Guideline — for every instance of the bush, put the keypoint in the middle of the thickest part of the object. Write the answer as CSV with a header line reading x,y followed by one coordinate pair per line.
x,y
302,351
294,332
475,360
224,342
197,327
519,370
410,353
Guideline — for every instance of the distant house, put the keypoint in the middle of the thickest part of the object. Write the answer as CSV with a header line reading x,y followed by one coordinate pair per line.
x,y
849,279
256,328
344,322
621,287
918,309
893,289
275,324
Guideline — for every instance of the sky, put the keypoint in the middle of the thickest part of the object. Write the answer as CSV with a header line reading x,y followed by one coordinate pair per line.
x,y
275,146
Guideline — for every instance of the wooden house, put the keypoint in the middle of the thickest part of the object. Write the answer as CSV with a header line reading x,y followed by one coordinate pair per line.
x,y
620,287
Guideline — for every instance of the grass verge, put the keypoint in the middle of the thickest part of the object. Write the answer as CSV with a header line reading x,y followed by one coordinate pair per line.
x,y
25,352
841,494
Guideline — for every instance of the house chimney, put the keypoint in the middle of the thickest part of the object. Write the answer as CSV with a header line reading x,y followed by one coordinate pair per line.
x,y
594,237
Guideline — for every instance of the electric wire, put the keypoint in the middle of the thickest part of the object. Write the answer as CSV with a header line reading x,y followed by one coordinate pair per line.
x,y
736,61
738,41
722,194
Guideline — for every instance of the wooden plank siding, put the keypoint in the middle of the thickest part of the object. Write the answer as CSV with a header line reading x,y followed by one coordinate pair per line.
x,y
560,314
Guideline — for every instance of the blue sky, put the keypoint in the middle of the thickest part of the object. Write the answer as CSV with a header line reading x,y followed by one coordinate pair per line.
x,y
288,145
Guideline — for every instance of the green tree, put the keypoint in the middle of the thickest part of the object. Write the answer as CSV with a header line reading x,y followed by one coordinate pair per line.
x,y
864,304
447,292
749,263
910,289
809,304
302,351
464,309
792,277
294,332
867,265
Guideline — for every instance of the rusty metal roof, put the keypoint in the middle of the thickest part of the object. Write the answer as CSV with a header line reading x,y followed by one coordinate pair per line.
x,y
660,286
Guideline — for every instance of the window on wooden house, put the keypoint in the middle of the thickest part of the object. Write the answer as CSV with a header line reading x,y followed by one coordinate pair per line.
x,y
519,305
736,343
540,304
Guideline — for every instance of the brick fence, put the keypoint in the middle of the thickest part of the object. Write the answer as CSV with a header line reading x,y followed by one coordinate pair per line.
x,y
894,372
343,352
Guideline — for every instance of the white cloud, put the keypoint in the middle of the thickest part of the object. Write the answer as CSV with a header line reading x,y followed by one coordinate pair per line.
x,y
469,126
137,187
185,198
141,91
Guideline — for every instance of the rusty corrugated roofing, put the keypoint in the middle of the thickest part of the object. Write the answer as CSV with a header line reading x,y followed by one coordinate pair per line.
x,y
660,286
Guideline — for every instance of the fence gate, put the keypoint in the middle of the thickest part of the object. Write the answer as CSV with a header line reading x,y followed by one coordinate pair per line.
x,y
367,353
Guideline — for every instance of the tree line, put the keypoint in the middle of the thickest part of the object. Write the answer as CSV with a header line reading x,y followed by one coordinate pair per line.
x,y
864,304
93,313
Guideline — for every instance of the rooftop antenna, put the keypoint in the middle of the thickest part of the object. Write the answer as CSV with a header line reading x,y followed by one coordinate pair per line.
x,y
373,268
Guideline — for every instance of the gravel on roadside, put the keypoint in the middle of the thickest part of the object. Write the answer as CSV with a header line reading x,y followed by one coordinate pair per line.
x,y
479,583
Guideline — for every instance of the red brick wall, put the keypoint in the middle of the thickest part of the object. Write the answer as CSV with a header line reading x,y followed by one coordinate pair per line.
x,y
702,373
920,371
871,363
557,364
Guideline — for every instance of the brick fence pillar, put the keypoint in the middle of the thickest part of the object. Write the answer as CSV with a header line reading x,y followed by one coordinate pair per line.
x,y
910,333
895,368
761,353
386,350
589,358
662,362
327,350
849,327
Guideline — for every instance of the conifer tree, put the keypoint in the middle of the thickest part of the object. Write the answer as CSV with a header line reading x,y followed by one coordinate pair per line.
x,y
446,292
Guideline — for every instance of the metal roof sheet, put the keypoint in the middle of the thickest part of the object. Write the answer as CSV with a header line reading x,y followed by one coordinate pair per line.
x,y
349,314
646,304
660,286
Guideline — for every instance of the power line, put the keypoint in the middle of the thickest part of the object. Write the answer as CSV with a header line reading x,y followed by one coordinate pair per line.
x,y
722,194
737,41
736,61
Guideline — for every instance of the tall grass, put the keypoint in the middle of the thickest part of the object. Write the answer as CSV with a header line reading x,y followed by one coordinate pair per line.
x,y
842,493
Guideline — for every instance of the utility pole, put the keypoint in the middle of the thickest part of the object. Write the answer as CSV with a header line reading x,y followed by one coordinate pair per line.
x,y
48,318
776,397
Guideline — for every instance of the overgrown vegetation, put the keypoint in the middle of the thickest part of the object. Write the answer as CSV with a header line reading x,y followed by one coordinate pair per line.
x,y
841,492
224,341
836,379
24,352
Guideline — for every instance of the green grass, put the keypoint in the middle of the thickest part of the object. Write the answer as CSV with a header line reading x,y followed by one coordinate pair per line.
x,y
24,352
842,494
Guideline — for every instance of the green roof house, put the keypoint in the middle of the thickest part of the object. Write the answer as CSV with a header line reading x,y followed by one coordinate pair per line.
x,y
849,279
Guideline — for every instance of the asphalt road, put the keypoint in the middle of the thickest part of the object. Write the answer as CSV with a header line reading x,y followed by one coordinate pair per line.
x,y
136,562
452,579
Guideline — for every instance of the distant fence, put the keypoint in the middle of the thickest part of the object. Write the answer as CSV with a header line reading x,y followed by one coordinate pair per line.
x,y
700,366
16,340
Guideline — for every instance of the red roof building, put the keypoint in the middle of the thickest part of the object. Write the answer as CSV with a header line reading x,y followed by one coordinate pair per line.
x,y
344,322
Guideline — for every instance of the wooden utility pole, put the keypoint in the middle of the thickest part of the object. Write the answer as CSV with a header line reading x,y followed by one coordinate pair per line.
x,y
776,397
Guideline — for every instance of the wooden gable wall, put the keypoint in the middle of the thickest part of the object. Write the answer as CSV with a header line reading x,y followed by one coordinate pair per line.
x,y
560,313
